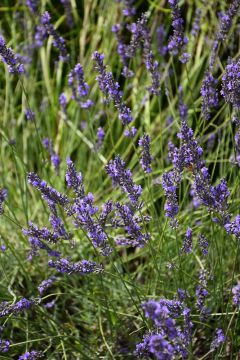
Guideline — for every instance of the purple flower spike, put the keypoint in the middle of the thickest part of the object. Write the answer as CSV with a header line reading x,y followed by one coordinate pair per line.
x,y
46,29
33,5
55,160
9,58
116,170
111,89
177,41
187,245
4,346
236,295
31,355
83,267
230,84
146,157
219,339
3,196
80,88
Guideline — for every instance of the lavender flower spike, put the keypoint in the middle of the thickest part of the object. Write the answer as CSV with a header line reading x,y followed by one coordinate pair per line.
x,y
8,57
83,267
219,339
46,29
116,170
209,95
33,5
51,195
3,196
79,87
236,295
177,41
111,89
74,179
187,245
31,355
46,284
146,157
230,84
55,160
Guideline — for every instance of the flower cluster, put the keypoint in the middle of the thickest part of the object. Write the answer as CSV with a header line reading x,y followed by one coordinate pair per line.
x,y
9,58
168,339
3,196
6,308
203,244
46,29
209,95
135,237
31,355
122,177
51,195
230,84
111,89
46,284
55,160
236,295
187,245
80,88
218,340
146,157
33,5
68,11
82,267
177,41
4,346
202,293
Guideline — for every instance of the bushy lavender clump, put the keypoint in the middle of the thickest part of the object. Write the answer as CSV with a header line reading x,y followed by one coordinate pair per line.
x,y
46,29
4,346
68,11
202,294
167,339
33,5
6,308
46,284
218,340
9,58
230,84
116,170
111,89
31,355
209,94
3,196
146,157
55,160
177,41
135,237
203,244
187,245
82,267
236,295
80,88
